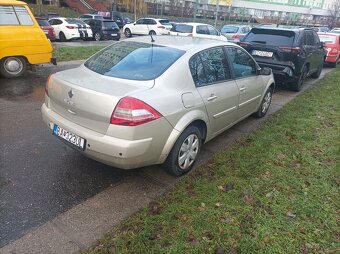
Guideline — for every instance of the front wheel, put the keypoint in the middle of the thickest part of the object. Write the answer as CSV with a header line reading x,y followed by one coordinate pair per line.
x,y
264,106
127,33
12,67
185,152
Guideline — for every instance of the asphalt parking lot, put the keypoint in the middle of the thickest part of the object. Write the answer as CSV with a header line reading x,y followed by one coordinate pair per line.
x,y
49,190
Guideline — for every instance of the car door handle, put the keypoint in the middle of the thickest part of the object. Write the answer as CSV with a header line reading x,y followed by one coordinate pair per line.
x,y
212,97
243,89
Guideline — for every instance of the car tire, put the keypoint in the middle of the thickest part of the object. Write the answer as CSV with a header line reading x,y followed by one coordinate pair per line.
x,y
62,37
265,103
318,72
97,37
127,33
296,86
185,152
13,66
152,32
334,64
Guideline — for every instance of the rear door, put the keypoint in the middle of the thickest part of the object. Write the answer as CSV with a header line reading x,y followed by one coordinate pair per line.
x,y
312,51
250,84
211,73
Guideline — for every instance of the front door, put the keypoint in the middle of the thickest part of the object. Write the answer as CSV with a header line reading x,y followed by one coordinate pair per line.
x,y
249,83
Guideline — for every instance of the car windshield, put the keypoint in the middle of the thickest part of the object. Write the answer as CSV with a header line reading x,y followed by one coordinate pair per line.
x,y
164,22
271,37
43,22
133,60
98,17
182,28
229,29
328,39
110,24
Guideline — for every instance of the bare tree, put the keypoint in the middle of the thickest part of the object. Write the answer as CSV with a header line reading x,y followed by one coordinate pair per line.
x,y
334,13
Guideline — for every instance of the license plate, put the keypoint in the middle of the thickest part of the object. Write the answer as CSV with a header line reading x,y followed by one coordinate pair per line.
x,y
69,137
113,34
262,53
46,32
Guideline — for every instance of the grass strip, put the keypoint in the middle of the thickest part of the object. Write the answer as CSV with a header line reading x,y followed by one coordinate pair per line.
x,y
274,191
75,53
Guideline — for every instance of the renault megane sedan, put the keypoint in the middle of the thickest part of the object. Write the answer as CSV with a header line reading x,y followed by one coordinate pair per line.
x,y
145,101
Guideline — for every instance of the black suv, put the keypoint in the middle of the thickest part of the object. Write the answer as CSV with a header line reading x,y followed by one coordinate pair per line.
x,y
292,54
103,29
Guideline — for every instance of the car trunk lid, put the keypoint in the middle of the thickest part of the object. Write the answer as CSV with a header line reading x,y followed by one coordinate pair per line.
x,y
88,98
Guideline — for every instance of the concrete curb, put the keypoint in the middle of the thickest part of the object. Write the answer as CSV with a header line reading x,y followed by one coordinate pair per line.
x,y
82,225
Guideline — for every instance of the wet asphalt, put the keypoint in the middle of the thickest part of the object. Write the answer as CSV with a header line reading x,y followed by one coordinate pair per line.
x,y
40,177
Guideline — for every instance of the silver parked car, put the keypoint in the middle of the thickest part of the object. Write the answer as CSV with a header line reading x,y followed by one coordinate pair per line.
x,y
138,103
234,32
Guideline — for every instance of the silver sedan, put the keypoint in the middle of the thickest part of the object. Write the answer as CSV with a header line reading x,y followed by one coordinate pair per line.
x,y
147,100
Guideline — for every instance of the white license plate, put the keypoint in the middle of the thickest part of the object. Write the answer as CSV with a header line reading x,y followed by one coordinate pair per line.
x,y
262,53
68,136
113,34
45,31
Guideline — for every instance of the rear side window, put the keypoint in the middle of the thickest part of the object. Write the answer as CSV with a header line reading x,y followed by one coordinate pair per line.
x,y
164,21
209,66
17,15
133,60
271,37
202,30
182,28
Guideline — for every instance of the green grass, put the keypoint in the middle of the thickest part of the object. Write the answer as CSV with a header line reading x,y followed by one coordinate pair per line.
x,y
62,11
274,191
75,53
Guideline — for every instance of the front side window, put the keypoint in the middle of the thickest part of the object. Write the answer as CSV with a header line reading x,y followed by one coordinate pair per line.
x,y
133,60
212,30
243,65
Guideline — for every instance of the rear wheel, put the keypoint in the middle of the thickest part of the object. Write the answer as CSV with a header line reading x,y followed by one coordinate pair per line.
x,y
127,33
334,64
12,67
318,72
62,37
296,86
97,36
185,152
264,106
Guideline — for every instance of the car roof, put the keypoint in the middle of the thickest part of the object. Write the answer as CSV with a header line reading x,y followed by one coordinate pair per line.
x,y
182,42
194,24
294,29
12,2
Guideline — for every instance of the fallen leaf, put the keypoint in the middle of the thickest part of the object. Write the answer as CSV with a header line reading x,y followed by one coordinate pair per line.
x,y
154,208
217,205
248,199
202,205
291,214
220,250
226,187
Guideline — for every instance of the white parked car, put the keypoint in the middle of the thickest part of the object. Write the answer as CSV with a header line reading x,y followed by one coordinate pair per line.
x,y
70,28
145,26
197,30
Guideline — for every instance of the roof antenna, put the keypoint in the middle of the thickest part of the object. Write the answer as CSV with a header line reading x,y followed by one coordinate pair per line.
x,y
152,40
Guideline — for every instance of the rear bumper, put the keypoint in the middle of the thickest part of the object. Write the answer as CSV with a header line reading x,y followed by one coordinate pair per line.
x,y
331,58
120,153
281,72
109,36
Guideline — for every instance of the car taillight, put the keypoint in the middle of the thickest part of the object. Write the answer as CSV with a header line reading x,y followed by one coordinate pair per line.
x,y
161,27
133,112
236,36
243,44
46,86
334,51
294,50
71,27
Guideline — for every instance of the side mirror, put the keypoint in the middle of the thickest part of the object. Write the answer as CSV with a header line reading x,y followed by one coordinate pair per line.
x,y
322,44
134,23
265,71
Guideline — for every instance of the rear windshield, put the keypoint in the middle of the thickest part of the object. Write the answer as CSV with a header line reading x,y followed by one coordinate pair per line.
x,y
75,21
229,29
271,37
182,28
164,21
43,22
110,24
328,39
133,60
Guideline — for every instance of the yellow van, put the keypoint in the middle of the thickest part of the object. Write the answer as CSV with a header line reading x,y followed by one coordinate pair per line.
x,y
22,41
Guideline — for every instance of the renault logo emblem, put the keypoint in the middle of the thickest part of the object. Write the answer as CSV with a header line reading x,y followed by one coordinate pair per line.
x,y
70,93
